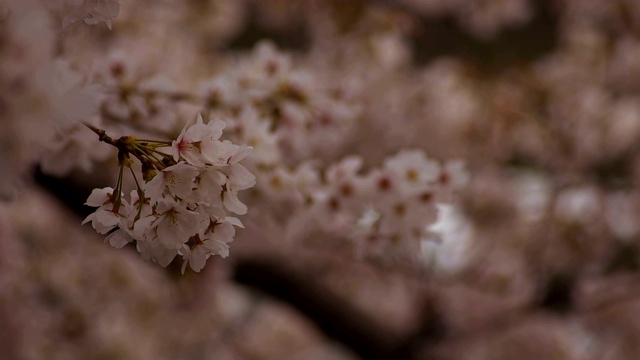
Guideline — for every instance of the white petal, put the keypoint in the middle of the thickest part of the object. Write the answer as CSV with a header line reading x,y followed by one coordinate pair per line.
x,y
214,129
154,188
107,218
89,218
231,202
240,154
240,178
142,226
99,197
218,248
180,179
197,260
234,221
164,257
118,239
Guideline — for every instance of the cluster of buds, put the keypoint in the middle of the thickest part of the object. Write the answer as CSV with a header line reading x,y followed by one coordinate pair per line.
x,y
184,200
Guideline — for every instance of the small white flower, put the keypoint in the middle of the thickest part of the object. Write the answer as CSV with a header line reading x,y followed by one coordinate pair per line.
x,y
135,226
368,219
175,223
199,143
413,170
108,214
196,258
179,179
212,241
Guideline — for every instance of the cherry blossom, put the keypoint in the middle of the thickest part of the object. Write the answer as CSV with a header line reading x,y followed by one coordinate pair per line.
x,y
199,143
109,211
177,179
93,12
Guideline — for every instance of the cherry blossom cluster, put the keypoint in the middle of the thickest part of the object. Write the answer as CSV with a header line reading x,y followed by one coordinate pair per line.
x,y
387,211
392,206
136,96
115,96
185,201
301,111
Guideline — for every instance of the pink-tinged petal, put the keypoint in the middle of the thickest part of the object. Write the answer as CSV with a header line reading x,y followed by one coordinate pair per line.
x,y
142,227
175,147
240,154
180,179
214,129
154,188
107,218
176,225
103,223
218,248
231,202
193,157
240,178
99,197
215,152
198,259
223,232
196,132
185,252
118,239
89,218
199,120
234,221
154,251
170,232
212,178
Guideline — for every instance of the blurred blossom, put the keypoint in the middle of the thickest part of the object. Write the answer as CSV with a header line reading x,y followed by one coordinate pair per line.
x,y
92,12
533,196
447,251
26,49
578,204
485,18
621,211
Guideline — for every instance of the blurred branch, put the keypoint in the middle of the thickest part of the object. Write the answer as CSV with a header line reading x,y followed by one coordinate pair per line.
x,y
335,317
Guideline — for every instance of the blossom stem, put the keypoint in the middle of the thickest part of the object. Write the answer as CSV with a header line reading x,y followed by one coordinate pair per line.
x,y
102,135
140,194
168,143
118,190
146,152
